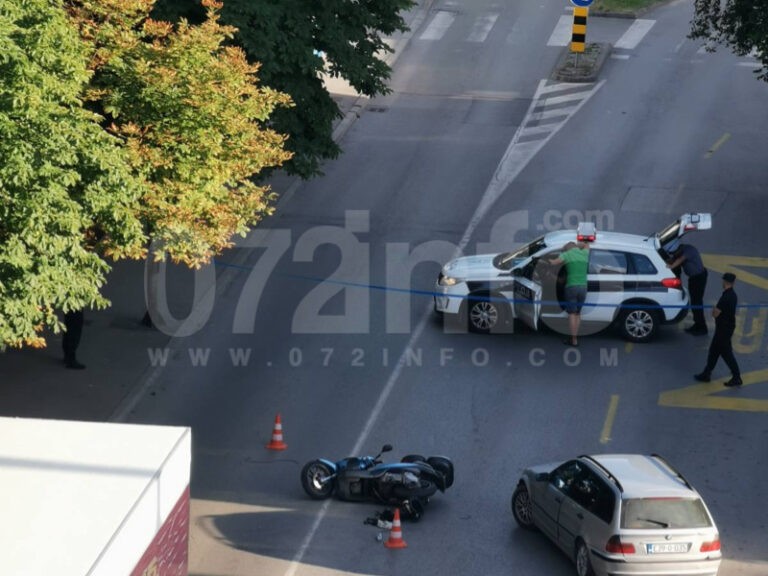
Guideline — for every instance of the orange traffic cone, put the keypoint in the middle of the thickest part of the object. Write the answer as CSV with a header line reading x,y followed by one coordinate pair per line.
x,y
277,436
396,534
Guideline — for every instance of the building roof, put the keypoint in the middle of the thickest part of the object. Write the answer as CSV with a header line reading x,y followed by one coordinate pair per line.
x,y
67,488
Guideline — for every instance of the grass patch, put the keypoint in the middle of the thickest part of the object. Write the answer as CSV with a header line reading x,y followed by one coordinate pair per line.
x,y
625,6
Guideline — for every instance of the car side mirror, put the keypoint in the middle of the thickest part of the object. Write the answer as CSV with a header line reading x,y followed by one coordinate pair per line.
x,y
386,448
542,477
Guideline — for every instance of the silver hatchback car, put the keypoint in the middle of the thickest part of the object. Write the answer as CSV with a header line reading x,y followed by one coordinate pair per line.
x,y
620,514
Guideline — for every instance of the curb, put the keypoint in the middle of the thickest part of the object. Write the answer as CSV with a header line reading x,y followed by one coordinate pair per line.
x,y
631,15
559,75
128,403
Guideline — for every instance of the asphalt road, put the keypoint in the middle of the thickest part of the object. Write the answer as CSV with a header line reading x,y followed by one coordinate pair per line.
x,y
670,130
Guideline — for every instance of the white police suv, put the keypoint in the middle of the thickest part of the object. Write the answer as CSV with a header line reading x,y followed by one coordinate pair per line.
x,y
629,285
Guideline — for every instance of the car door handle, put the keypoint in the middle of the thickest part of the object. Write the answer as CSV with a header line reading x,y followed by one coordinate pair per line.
x,y
580,516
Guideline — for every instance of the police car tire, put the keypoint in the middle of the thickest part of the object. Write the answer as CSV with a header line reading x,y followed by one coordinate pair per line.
x,y
485,301
628,313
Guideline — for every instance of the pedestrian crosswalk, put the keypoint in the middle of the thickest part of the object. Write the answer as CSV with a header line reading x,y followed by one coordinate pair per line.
x,y
449,21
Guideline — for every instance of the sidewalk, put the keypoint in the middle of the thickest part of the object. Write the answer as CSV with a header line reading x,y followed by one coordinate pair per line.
x,y
34,383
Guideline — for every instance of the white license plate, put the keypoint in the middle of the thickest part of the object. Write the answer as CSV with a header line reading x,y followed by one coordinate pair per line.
x,y
668,548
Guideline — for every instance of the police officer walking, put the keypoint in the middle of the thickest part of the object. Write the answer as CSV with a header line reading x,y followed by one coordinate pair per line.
x,y
690,259
724,314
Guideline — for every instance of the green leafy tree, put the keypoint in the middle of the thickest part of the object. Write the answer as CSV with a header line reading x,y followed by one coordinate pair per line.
x,y
739,24
193,118
67,193
286,36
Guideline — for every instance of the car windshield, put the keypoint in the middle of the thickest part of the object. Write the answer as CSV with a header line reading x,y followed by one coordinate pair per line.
x,y
506,260
655,513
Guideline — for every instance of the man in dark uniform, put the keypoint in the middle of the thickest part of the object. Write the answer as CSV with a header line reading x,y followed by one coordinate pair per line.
x,y
73,322
724,314
690,259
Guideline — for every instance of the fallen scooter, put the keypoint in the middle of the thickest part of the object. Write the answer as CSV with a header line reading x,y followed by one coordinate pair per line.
x,y
408,484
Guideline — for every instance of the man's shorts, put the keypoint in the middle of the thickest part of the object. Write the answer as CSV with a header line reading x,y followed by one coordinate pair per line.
x,y
574,298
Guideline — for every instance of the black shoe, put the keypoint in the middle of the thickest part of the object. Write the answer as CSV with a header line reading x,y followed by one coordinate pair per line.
x,y
74,365
703,377
733,382
569,342
697,330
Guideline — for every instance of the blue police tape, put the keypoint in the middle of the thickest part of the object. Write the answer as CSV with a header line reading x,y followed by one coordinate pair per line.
x,y
432,293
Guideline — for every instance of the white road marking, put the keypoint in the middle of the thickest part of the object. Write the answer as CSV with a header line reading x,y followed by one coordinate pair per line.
x,y
545,114
620,56
439,26
561,35
750,64
680,45
634,34
558,87
482,27
552,100
515,159
702,50
531,130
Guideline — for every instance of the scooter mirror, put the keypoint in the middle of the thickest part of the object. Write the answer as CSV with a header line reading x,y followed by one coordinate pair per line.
x,y
386,448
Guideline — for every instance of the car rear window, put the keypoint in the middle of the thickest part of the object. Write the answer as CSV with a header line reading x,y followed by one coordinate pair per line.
x,y
656,513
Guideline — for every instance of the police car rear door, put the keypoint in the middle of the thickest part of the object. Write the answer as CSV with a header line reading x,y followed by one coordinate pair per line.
x,y
688,222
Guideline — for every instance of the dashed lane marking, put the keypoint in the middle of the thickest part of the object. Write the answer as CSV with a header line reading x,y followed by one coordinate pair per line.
x,y
613,405
716,146
634,34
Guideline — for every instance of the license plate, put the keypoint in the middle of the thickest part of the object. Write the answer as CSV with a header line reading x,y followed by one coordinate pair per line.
x,y
668,548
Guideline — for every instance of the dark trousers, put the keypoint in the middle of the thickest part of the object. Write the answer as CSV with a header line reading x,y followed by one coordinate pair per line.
x,y
73,321
721,347
696,286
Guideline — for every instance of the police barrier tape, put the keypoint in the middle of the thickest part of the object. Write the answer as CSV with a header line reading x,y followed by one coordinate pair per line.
x,y
380,288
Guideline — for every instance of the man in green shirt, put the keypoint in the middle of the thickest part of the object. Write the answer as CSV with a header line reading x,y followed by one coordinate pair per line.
x,y
576,260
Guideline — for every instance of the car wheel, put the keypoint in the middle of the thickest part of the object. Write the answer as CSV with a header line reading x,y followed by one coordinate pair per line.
x,y
638,324
483,315
583,564
522,507
316,480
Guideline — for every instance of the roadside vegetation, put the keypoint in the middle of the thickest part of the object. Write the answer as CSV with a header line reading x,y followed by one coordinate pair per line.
x,y
621,6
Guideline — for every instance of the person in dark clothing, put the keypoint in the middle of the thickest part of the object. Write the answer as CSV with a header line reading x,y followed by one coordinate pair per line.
x,y
73,321
688,257
725,323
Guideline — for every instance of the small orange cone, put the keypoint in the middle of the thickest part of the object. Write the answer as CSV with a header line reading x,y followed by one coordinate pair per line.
x,y
277,436
396,534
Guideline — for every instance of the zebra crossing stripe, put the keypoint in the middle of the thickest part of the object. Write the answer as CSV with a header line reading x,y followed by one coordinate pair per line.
x,y
634,34
482,27
438,26
561,33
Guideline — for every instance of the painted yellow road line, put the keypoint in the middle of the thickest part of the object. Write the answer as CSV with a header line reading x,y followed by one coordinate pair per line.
x,y
723,139
605,436
628,347
749,341
703,395
723,263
